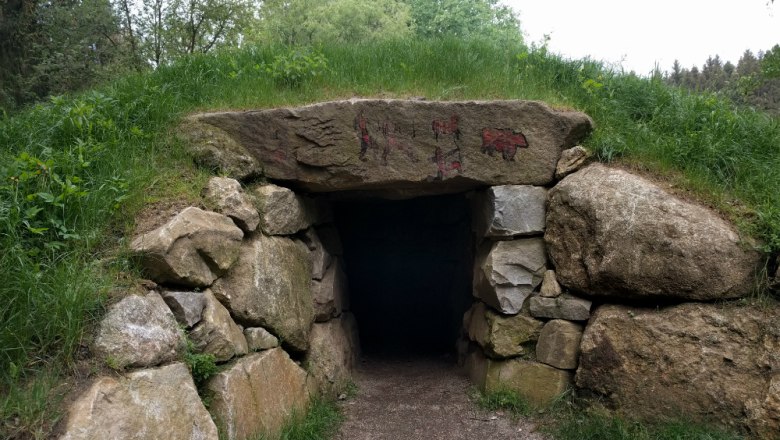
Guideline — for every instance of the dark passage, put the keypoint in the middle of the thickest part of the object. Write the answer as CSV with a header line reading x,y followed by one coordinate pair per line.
x,y
409,266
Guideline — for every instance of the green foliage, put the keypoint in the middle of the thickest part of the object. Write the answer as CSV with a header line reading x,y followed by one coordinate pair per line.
x,y
321,421
505,400
312,22
590,425
202,365
465,18
296,67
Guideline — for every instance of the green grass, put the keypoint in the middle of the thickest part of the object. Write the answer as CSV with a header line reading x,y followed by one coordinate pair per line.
x,y
321,422
76,170
590,425
504,400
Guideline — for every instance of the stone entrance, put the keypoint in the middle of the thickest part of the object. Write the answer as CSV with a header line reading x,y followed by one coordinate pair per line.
x,y
409,266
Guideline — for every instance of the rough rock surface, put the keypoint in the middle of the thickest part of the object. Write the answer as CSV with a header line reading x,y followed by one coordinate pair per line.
x,y
187,307
510,211
270,286
282,212
714,364
192,249
138,331
257,394
331,241
550,287
503,336
565,306
508,273
540,384
320,257
147,404
330,294
333,353
231,201
613,234
214,149
571,160
559,344
217,333
259,338
381,144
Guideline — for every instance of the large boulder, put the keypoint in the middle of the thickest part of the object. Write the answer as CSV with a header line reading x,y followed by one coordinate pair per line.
x,y
147,404
613,234
502,336
216,333
391,144
333,353
230,199
282,212
540,384
257,395
508,271
270,286
138,331
192,249
710,363
506,211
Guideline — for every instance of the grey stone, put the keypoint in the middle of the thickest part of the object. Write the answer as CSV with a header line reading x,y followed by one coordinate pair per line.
x,y
550,287
331,294
716,364
568,307
192,249
187,307
510,211
216,150
330,239
216,333
333,354
257,395
259,338
146,404
613,234
571,160
508,272
503,336
230,199
559,344
270,286
390,144
138,331
282,212
320,258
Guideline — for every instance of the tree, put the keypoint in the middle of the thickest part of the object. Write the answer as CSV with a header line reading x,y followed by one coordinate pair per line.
x,y
465,18
676,76
307,22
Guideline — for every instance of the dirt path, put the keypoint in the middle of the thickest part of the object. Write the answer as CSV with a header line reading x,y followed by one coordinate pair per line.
x,y
421,398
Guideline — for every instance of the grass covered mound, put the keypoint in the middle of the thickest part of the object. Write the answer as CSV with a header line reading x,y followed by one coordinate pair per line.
x,y
74,171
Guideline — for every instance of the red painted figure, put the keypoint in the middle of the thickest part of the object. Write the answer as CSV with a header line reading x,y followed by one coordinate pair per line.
x,y
365,139
441,126
506,141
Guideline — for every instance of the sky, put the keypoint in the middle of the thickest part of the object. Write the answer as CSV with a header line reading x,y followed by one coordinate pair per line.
x,y
635,35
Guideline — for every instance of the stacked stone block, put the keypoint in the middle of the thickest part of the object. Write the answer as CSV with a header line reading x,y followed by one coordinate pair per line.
x,y
522,332
244,283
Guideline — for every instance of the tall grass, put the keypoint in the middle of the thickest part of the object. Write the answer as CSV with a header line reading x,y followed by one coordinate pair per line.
x,y
74,171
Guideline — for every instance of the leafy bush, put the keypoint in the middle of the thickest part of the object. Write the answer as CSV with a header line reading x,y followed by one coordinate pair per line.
x,y
297,66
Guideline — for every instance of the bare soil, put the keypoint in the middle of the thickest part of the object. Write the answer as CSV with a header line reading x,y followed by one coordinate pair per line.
x,y
411,398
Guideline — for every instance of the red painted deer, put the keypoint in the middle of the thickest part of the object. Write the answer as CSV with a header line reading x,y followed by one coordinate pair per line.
x,y
506,140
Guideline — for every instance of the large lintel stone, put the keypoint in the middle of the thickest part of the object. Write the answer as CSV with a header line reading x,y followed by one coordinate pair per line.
x,y
398,144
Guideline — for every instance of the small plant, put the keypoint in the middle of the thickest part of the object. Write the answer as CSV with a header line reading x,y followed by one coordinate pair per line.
x,y
202,365
296,67
505,400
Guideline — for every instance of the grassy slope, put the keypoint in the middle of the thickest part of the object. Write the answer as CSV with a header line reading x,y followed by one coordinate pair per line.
x,y
73,171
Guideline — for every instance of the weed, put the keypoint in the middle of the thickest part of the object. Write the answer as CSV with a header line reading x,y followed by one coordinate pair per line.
x,y
504,400
297,66
202,365
321,421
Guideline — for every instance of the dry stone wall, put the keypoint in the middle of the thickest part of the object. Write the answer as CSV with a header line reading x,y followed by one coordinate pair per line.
x,y
588,279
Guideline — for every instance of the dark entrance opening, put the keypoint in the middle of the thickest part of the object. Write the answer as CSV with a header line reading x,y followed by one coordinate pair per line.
x,y
409,265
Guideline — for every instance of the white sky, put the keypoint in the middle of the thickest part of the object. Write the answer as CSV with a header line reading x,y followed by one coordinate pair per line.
x,y
639,34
